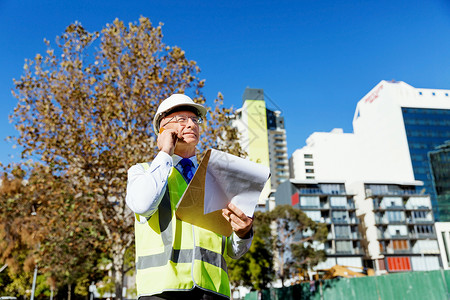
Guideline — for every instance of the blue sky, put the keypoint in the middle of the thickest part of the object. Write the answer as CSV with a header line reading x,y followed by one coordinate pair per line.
x,y
314,59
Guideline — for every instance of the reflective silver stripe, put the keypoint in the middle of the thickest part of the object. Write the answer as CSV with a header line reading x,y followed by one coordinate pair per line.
x,y
165,214
181,256
211,257
161,259
224,244
165,219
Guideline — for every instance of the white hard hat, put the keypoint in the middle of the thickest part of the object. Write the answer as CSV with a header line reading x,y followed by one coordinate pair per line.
x,y
170,103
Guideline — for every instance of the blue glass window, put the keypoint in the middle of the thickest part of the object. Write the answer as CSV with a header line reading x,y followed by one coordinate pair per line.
x,y
425,130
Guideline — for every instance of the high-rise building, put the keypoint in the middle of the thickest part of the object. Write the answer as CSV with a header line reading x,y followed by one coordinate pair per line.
x,y
394,127
263,137
398,227
440,167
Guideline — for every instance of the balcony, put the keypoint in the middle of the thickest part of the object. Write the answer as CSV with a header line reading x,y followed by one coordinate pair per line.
x,y
380,220
330,251
350,236
419,221
397,251
318,191
282,161
385,220
315,206
388,236
394,193
417,207
282,174
348,206
280,142
282,167
389,207
310,192
419,236
354,251
345,221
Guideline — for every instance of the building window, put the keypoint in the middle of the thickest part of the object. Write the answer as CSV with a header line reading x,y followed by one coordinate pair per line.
x,y
424,229
342,231
344,247
309,163
309,171
308,155
338,202
333,189
419,214
399,245
395,216
310,201
313,215
340,217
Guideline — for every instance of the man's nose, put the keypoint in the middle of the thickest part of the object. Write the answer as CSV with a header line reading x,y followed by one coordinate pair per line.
x,y
190,123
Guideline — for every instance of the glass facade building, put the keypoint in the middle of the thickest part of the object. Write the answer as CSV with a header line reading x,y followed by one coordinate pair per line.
x,y
426,129
440,166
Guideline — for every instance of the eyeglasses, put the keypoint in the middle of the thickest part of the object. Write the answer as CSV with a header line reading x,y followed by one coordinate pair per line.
x,y
182,120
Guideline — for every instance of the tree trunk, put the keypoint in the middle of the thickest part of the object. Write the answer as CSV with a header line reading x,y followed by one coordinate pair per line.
x,y
69,292
118,259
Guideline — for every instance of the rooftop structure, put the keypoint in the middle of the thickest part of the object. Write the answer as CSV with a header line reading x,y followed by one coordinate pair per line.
x,y
263,137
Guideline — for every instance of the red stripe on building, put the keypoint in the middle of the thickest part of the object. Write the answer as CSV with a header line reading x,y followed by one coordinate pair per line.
x,y
399,264
295,199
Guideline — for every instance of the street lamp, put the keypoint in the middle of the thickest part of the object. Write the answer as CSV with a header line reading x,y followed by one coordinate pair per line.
x,y
33,288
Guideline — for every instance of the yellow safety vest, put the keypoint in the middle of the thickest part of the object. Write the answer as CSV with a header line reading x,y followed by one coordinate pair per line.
x,y
172,255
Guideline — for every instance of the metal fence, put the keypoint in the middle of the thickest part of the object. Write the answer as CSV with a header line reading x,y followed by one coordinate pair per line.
x,y
430,285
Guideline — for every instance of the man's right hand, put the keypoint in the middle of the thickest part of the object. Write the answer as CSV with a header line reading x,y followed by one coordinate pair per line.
x,y
167,140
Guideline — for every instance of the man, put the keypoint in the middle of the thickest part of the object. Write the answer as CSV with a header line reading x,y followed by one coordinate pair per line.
x,y
175,259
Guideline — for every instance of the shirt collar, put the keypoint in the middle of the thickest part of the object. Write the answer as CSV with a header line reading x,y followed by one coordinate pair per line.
x,y
176,159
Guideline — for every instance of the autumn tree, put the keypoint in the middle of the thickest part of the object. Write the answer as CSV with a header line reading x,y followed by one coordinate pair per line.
x,y
295,240
85,111
255,268
16,243
41,226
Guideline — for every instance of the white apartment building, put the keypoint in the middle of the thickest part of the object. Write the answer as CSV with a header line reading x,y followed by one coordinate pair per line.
x,y
329,203
395,126
397,226
327,155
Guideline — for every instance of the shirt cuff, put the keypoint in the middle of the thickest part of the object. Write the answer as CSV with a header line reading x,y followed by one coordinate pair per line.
x,y
247,237
161,159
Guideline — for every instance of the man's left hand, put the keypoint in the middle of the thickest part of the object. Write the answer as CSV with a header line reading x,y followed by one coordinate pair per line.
x,y
240,223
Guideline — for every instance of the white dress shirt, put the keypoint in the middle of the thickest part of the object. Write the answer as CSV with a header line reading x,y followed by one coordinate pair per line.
x,y
146,188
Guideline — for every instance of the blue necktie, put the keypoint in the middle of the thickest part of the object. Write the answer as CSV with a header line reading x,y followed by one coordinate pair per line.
x,y
187,169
